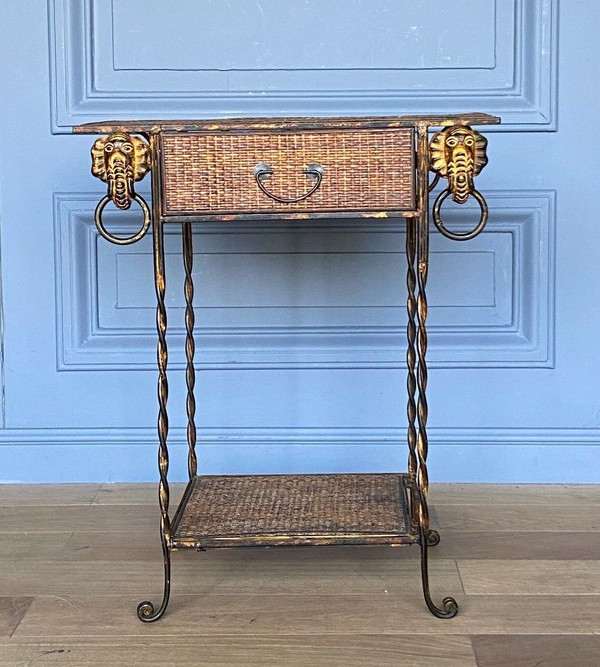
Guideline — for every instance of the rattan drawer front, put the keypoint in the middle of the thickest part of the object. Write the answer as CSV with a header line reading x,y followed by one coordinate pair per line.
x,y
213,174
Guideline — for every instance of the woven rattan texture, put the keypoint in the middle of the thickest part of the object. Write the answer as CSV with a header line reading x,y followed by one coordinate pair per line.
x,y
363,170
293,504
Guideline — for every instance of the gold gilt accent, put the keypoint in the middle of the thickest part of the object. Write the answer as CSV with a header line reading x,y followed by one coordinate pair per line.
x,y
119,160
458,153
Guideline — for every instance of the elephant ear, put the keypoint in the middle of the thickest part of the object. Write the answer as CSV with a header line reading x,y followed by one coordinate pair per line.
x,y
141,160
480,152
98,160
437,153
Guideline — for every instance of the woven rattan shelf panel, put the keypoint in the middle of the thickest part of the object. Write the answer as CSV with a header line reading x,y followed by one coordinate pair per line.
x,y
213,173
270,510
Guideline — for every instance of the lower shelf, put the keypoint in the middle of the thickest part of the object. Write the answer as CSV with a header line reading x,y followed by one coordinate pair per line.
x,y
279,510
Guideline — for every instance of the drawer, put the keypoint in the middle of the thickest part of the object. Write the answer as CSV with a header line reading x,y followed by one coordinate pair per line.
x,y
308,171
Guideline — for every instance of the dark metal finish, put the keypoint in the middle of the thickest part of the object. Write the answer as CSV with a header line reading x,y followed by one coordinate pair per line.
x,y
129,239
262,172
287,124
411,379
460,236
450,606
190,347
456,153
146,610
433,539
436,180
310,215
422,243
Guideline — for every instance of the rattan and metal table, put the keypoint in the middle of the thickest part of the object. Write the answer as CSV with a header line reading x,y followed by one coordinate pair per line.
x,y
293,169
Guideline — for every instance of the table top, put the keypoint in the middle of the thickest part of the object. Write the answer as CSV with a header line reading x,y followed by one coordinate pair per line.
x,y
274,124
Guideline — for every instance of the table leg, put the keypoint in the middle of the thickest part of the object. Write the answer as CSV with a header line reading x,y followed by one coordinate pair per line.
x,y
190,347
146,610
426,536
411,378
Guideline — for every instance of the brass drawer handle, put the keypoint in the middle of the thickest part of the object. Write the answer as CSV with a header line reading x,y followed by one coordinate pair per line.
x,y
262,172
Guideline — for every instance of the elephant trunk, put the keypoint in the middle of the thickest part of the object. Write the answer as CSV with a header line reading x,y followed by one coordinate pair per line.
x,y
460,173
120,179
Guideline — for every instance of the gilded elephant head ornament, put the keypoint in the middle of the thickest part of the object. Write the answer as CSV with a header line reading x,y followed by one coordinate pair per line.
x,y
458,153
119,160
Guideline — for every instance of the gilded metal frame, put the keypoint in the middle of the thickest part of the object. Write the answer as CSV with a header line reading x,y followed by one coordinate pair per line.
x,y
416,479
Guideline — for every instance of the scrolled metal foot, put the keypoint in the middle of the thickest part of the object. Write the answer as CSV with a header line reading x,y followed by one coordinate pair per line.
x,y
449,607
146,612
433,538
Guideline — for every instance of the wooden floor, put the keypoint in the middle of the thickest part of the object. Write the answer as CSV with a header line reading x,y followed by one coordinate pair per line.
x,y
523,563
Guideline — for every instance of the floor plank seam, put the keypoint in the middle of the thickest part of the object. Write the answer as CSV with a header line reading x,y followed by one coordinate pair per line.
x,y
27,608
462,583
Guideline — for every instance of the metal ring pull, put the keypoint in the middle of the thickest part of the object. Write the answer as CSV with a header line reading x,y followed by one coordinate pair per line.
x,y
456,236
262,172
435,181
129,239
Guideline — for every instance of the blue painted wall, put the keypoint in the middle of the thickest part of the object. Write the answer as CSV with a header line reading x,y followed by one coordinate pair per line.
x,y
301,328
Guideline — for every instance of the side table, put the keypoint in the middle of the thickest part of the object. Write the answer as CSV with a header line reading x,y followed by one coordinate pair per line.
x,y
298,169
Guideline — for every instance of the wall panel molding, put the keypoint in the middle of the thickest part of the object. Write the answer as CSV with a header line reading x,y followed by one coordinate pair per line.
x,y
457,454
288,295
102,68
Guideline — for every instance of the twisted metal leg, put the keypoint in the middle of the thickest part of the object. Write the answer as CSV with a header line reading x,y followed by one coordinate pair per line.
x,y
190,373
411,379
426,536
146,611
450,607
